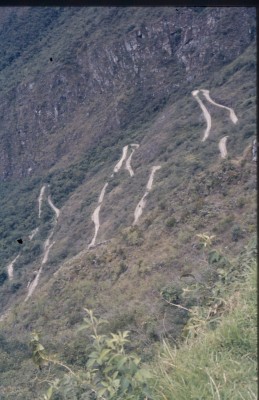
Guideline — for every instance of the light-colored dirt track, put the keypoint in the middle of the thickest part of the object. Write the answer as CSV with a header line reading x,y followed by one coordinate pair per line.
x,y
232,114
42,190
102,193
128,161
96,221
205,113
10,268
140,206
95,216
233,117
120,162
151,178
139,209
33,285
33,233
222,147
47,245
54,208
46,253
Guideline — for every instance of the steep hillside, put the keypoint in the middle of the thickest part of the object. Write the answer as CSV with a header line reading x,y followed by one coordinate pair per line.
x,y
125,133
114,71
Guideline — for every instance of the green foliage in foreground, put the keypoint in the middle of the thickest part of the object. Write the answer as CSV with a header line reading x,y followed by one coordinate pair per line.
x,y
216,360
110,372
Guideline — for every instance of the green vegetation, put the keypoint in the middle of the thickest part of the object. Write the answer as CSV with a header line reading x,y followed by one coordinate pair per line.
x,y
110,371
18,213
138,112
18,34
216,357
173,281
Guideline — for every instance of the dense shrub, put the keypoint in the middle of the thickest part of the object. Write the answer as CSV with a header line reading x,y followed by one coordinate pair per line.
x,y
3,278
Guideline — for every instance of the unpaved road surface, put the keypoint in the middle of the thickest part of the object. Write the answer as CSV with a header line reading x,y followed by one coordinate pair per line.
x,y
102,193
54,208
233,117
232,114
140,206
151,178
96,220
205,113
33,233
47,245
10,268
139,209
128,161
222,147
46,253
95,216
33,285
42,190
120,162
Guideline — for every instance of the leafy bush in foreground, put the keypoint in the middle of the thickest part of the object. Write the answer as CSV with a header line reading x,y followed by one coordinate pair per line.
x,y
217,360
110,372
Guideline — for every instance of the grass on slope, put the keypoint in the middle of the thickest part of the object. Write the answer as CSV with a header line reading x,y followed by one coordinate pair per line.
x,y
217,363
217,360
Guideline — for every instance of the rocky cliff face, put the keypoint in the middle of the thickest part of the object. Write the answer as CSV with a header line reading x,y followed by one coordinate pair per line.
x,y
125,135
97,83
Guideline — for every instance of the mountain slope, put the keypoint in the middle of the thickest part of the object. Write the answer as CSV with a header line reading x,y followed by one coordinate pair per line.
x,y
119,77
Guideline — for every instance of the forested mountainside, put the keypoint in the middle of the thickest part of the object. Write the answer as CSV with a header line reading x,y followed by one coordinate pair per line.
x,y
125,133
